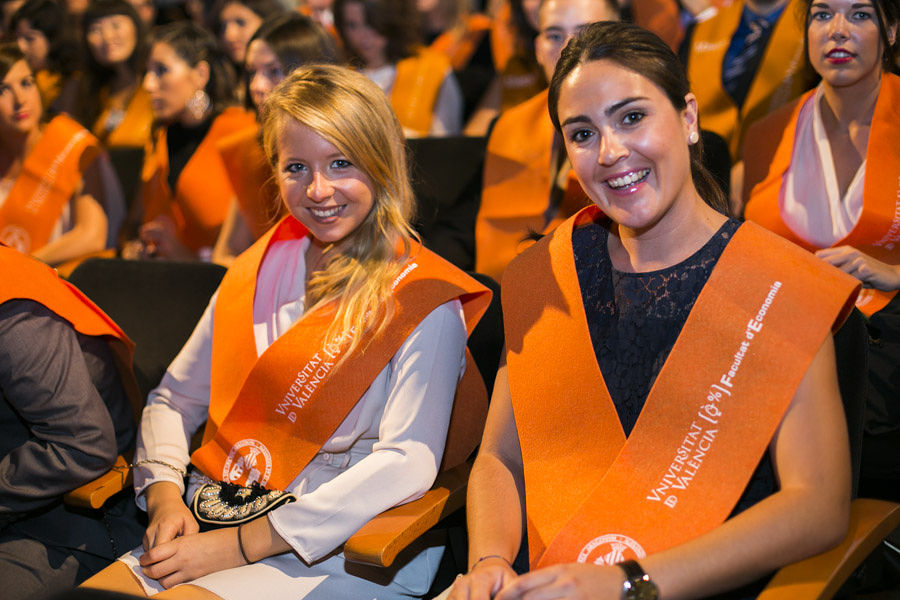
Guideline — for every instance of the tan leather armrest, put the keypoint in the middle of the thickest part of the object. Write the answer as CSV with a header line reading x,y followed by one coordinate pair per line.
x,y
820,576
94,494
380,540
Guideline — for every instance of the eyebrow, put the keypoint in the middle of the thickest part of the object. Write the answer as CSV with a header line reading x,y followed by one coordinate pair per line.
x,y
609,111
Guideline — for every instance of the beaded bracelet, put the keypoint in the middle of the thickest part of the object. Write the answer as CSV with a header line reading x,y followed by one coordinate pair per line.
x,y
487,556
162,463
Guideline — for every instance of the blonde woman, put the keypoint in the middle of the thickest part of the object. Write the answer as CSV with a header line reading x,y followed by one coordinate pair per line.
x,y
326,381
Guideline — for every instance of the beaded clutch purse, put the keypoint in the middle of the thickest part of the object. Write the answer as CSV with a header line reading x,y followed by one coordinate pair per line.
x,y
222,504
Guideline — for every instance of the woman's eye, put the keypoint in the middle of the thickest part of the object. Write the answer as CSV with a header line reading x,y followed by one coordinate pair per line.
x,y
294,168
861,15
240,23
819,15
580,135
341,163
632,117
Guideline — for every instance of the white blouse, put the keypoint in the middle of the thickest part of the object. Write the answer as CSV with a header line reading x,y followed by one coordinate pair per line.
x,y
385,452
810,199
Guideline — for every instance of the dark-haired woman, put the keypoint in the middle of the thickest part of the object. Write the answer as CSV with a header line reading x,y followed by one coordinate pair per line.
x,y
113,103
824,172
279,46
54,178
235,22
698,360
42,33
382,37
185,189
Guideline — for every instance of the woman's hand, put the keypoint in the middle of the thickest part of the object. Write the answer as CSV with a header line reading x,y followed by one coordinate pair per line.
x,y
160,240
484,581
191,556
872,272
169,516
573,581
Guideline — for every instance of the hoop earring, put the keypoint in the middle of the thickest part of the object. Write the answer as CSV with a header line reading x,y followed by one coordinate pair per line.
x,y
198,104
694,138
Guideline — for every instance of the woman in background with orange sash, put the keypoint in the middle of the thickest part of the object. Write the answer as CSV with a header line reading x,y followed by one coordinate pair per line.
x,y
279,46
113,104
697,362
382,38
317,370
824,173
53,176
186,192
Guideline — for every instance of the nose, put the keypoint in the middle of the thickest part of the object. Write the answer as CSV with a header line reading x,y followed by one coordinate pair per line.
x,y
320,188
838,27
611,148
257,86
150,81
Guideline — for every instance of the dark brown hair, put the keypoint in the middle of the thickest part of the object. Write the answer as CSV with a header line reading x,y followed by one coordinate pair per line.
x,y
641,51
193,45
396,20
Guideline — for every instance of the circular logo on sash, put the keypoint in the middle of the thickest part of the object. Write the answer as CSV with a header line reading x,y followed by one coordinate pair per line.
x,y
251,458
610,549
16,237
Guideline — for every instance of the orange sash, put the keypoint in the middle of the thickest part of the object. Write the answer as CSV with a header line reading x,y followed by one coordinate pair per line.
x,y
662,18
289,399
416,88
503,36
460,43
516,192
27,278
592,495
878,230
203,191
134,131
50,175
781,76
251,179
49,86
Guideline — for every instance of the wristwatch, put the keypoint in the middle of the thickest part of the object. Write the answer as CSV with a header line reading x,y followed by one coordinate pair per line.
x,y
637,584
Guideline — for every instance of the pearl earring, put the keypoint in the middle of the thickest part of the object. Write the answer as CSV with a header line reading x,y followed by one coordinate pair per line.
x,y
694,137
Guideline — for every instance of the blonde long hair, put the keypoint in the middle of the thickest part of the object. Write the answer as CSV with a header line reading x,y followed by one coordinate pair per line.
x,y
351,112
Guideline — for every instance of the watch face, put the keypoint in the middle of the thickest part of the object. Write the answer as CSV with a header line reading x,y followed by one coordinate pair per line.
x,y
640,590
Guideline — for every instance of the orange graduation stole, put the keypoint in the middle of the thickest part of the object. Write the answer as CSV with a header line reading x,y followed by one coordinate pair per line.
x,y
50,176
27,278
877,232
595,496
270,415
662,18
134,130
203,190
781,76
416,88
459,43
251,179
515,195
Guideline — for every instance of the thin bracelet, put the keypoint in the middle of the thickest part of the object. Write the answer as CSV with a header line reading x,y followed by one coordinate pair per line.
x,y
162,463
487,556
241,543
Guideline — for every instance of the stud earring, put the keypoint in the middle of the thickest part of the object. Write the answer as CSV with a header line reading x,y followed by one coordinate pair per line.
x,y
694,137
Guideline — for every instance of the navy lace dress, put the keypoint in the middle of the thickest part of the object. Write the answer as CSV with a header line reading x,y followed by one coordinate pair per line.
x,y
634,320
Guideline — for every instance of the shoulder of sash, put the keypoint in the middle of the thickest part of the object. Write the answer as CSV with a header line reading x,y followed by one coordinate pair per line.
x,y
885,123
830,282
433,60
725,20
61,128
766,137
478,22
521,124
232,119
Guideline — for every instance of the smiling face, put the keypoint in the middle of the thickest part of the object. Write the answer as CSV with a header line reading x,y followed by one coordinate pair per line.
x,y
238,23
20,101
33,44
362,38
845,45
628,145
171,81
264,71
112,39
560,21
320,186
